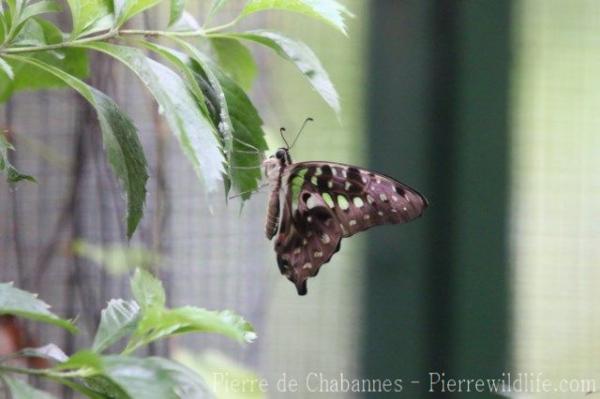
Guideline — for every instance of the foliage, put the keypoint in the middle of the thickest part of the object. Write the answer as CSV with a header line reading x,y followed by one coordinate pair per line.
x,y
117,259
201,94
223,374
200,80
17,302
138,322
12,174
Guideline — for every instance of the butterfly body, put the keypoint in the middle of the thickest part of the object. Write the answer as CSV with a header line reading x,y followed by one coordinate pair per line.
x,y
313,205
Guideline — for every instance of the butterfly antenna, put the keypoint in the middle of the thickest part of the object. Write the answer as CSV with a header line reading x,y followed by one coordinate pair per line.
x,y
309,119
282,132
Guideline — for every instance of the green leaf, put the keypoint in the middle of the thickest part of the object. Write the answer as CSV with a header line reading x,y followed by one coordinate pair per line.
x,y
159,324
223,373
41,7
241,133
214,94
248,138
25,304
116,258
147,290
73,61
3,26
329,11
30,34
127,9
123,149
301,56
89,368
21,390
5,67
85,361
115,393
124,377
236,60
15,7
184,64
12,174
154,378
176,11
90,16
49,352
186,22
195,133
118,320
215,7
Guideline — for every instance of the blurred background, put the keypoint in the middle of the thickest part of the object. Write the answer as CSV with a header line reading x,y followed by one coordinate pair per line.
x,y
487,107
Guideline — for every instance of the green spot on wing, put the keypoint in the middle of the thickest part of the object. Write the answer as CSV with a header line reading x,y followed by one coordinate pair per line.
x,y
296,186
327,198
343,202
358,202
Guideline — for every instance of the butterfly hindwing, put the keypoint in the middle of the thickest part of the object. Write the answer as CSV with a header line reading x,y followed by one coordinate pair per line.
x,y
324,202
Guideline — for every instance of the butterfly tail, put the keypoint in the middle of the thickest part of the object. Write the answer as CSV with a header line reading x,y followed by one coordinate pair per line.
x,y
301,287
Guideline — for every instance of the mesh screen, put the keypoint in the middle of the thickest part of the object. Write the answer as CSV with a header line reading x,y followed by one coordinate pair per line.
x,y
556,190
215,258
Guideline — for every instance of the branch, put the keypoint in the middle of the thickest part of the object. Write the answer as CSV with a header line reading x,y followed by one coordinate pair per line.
x,y
114,34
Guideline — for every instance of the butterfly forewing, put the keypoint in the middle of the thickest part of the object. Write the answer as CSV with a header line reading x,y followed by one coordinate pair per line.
x,y
326,201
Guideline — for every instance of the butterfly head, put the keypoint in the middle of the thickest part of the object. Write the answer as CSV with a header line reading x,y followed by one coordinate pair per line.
x,y
276,163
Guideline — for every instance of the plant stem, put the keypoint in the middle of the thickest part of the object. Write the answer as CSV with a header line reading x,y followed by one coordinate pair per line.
x,y
142,32
71,43
42,372
113,34
22,370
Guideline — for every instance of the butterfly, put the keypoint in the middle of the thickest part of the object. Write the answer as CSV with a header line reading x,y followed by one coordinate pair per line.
x,y
313,205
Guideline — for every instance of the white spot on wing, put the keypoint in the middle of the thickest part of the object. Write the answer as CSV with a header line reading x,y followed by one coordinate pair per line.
x,y
352,222
325,239
370,199
318,254
307,265
383,197
347,186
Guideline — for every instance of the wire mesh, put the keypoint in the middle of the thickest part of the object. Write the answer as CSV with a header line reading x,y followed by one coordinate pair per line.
x,y
215,257
556,160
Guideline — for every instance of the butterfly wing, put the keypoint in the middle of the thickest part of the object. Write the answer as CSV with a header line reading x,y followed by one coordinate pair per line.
x,y
324,202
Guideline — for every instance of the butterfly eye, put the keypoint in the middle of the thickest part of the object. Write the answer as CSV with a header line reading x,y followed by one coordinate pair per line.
x,y
279,154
